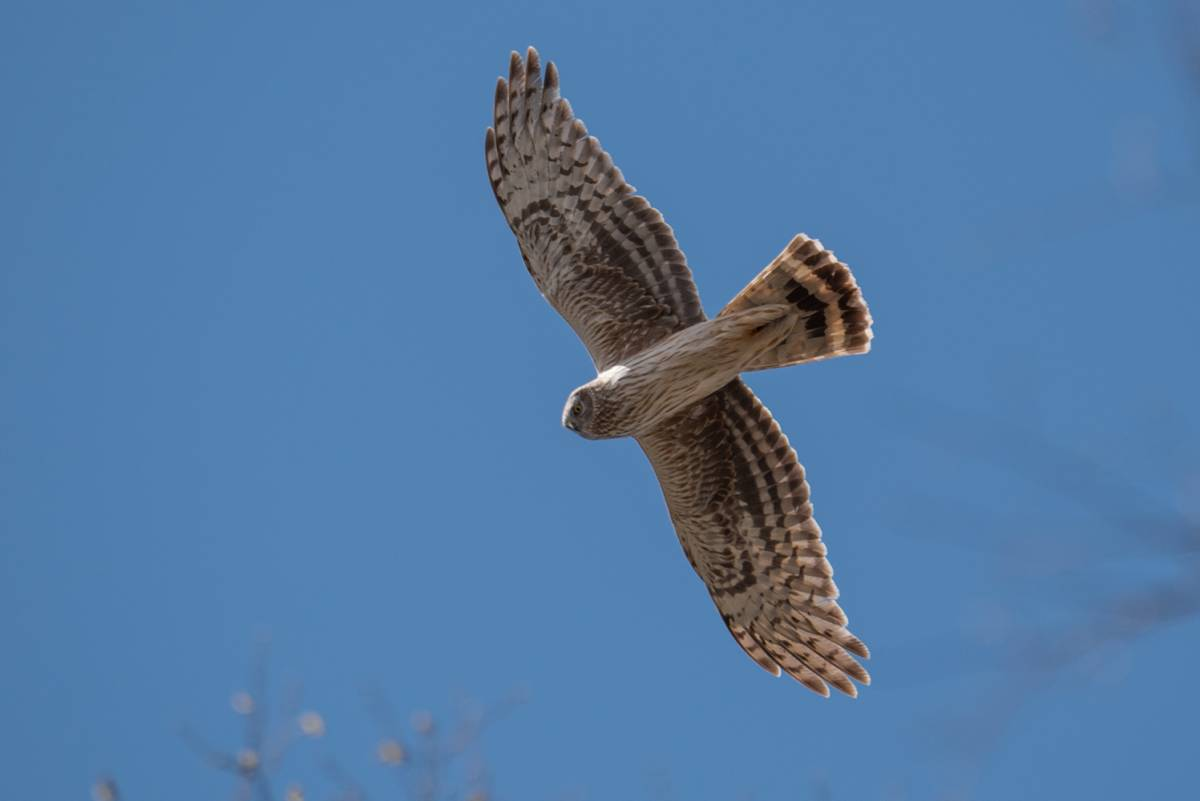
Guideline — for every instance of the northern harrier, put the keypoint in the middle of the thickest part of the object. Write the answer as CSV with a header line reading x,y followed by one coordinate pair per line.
x,y
668,376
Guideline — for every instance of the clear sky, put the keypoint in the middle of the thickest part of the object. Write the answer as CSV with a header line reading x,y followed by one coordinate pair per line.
x,y
270,363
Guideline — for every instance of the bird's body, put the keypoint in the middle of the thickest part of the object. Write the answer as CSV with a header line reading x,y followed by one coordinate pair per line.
x,y
669,376
634,398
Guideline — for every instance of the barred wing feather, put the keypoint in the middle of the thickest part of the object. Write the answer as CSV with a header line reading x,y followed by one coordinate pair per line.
x,y
740,505
601,254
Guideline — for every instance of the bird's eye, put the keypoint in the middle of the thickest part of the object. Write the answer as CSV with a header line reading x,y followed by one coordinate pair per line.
x,y
577,408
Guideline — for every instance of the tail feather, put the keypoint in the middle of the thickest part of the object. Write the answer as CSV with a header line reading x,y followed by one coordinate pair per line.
x,y
831,316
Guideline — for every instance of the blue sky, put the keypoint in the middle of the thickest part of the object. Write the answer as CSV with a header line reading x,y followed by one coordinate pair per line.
x,y
270,362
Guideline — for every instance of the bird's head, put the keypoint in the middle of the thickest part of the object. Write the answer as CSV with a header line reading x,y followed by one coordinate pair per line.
x,y
580,411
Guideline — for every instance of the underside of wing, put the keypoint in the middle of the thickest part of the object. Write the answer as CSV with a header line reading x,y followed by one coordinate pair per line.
x,y
740,505
601,254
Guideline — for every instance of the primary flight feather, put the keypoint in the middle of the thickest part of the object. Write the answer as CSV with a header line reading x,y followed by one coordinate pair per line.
x,y
669,376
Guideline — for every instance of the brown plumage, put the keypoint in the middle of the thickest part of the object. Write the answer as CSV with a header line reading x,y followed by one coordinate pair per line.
x,y
668,376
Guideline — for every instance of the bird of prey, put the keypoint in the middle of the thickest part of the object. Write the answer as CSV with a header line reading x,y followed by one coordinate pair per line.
x,y
669,377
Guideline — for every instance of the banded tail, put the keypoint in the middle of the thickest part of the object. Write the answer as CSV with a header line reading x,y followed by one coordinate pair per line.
x,y
831,316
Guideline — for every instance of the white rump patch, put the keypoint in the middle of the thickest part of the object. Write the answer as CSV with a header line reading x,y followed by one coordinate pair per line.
x,y
612,375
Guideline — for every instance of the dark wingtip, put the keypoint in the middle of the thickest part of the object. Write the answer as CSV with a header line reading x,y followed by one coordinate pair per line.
x,y
500,102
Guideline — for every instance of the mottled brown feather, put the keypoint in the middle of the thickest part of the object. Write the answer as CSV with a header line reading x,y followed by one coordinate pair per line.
x,y
599,253
740,504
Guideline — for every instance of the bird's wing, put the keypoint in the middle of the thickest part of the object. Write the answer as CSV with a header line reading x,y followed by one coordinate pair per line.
x,y
600,253
740,505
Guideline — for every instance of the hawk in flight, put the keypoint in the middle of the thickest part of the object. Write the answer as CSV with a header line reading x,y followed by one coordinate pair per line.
x,y
669,376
